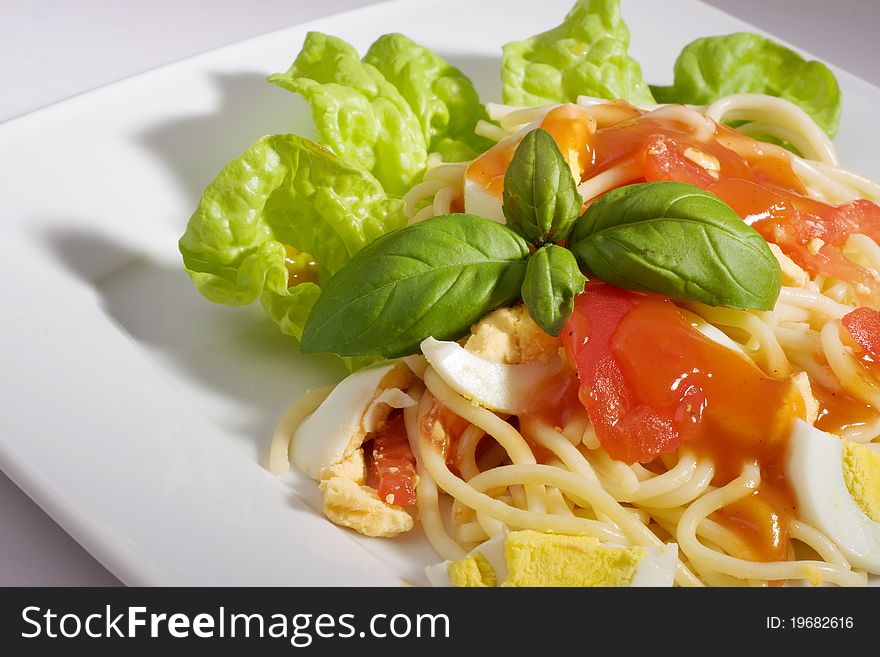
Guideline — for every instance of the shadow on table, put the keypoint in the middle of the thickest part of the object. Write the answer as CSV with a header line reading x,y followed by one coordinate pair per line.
x,y
196,147
243,371
234,362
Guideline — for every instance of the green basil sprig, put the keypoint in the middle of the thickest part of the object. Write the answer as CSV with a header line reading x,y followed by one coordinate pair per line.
x,y
435,278
552,281
540,200
677,240
438,277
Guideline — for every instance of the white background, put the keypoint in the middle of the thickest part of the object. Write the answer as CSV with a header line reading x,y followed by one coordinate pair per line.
x,y
53,49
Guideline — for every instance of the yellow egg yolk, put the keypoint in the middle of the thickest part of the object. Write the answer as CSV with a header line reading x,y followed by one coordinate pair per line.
x,y
474,571
538,559
861,472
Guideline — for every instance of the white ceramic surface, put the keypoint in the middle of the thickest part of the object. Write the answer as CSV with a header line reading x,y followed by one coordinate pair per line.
x,y
135,412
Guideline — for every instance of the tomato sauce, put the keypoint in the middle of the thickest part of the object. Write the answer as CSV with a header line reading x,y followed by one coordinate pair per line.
x,y
863,325
570,126
756,180
651,382
762,520
839,411
555,403
444,428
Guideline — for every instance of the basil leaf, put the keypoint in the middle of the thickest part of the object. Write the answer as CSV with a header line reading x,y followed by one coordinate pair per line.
x,y
540,200
435,278
552,281
677,240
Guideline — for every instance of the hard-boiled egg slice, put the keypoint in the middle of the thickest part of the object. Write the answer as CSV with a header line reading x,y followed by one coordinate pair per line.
x,y
837,486
656,567
472,568
541,559
328,435
496,386
530,558
481,200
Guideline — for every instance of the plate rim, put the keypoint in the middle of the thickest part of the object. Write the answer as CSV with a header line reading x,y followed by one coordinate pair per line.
x,y
122,561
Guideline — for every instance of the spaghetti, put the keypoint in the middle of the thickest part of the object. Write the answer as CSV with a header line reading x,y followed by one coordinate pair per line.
x,y
552,473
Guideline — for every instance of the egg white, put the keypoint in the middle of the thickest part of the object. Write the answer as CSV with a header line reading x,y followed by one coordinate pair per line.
x,y
492,550
482,203
496,386
656,568
324,437
815,471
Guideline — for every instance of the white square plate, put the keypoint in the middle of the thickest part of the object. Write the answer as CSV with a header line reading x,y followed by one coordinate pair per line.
x,y
135,412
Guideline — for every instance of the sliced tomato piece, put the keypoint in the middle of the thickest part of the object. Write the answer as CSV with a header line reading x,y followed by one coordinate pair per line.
x,y
629,427
809,232
392,465
863,324
815,240
662,159
650,381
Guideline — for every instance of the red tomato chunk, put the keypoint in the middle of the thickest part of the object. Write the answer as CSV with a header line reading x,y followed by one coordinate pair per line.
x,y
392,465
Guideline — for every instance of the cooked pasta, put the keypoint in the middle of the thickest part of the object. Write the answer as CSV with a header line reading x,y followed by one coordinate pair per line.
x,y
508,471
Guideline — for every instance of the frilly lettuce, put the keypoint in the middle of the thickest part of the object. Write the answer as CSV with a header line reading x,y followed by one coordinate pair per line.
x,y
710,68
358,114
287,195
585,55
387,112
284,191
380,117
443,99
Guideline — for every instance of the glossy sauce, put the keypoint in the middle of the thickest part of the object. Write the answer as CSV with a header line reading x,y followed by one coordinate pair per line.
x,y
863,326
737,156
554,405
839,411
754,178
570,126
651,382
762,520
443,427
301,267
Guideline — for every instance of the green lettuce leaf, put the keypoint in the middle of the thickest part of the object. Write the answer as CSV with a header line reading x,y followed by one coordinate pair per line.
x,y
585,55
712,67
358,114
443,99
284,191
